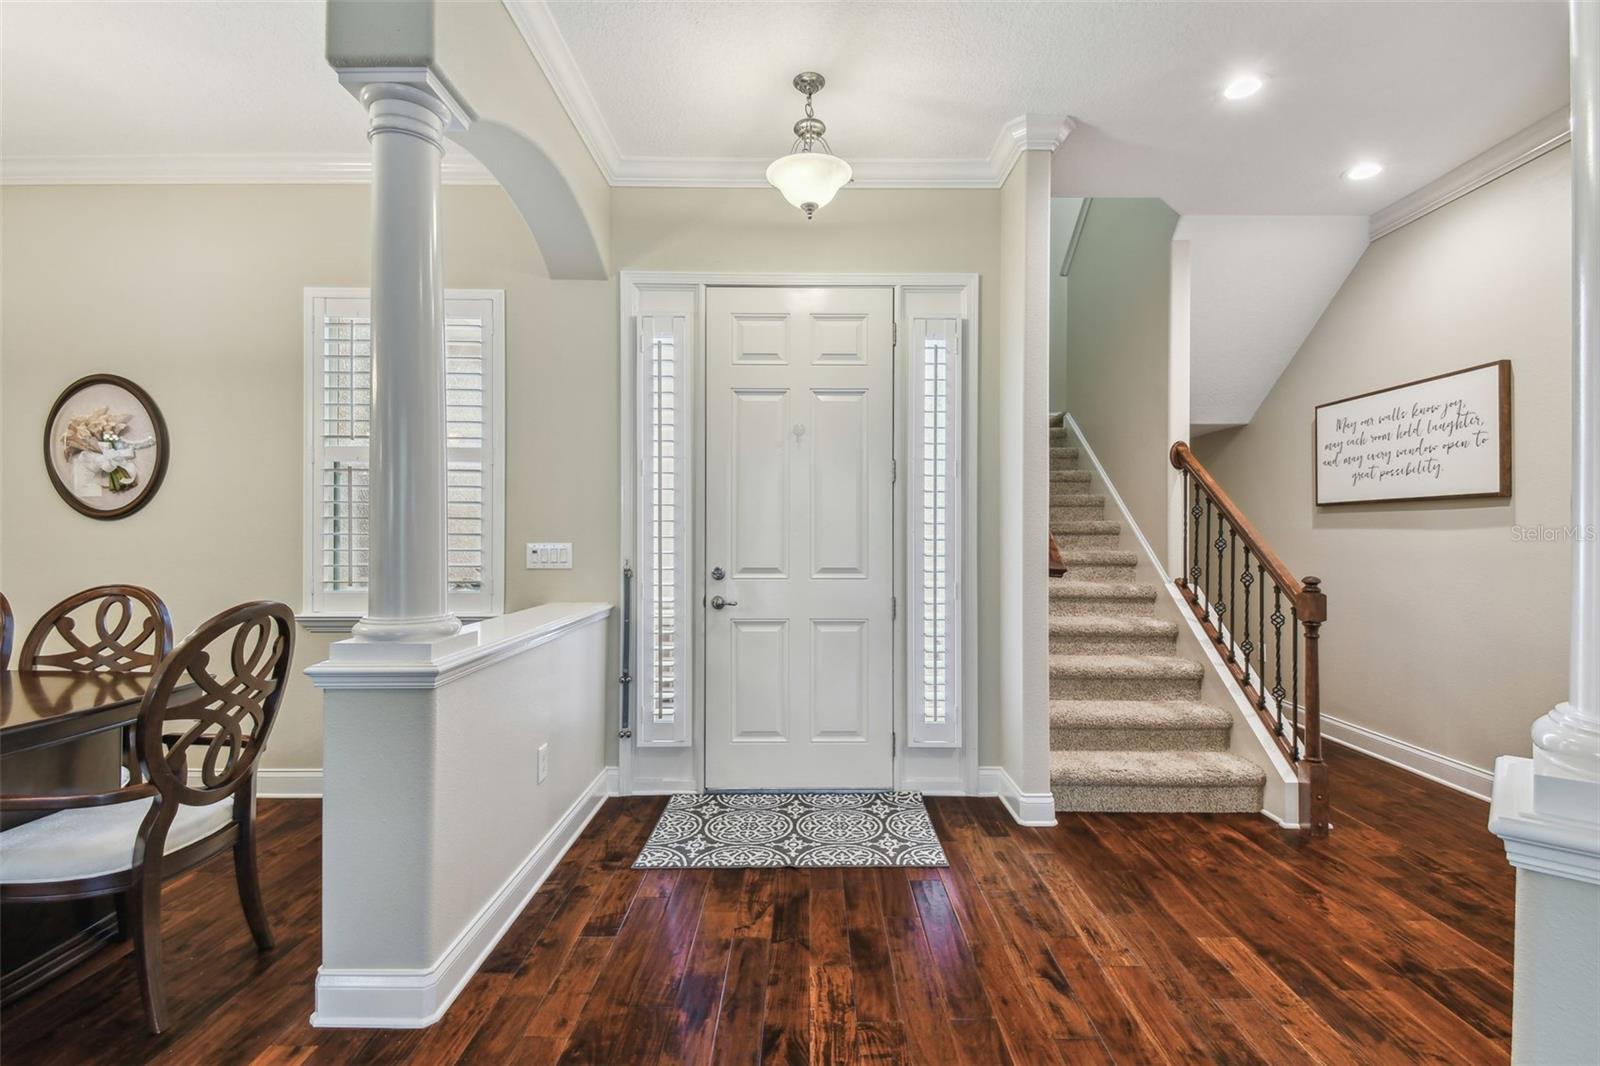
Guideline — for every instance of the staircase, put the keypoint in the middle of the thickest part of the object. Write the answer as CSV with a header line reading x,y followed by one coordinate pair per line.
x,y
1128,730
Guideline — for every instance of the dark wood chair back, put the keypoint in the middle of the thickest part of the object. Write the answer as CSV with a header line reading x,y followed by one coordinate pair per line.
x,y
239,660
132,633
8,627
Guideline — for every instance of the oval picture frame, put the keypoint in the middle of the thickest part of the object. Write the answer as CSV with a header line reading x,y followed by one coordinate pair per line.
x,y
146,426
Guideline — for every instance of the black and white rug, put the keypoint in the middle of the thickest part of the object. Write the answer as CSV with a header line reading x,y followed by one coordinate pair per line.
x,y
723,829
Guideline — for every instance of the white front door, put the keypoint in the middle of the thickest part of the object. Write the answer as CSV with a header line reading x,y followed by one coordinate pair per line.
x,y
799,520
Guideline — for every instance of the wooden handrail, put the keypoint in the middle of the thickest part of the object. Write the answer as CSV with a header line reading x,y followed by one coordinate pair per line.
x,y
1184,459
1300,738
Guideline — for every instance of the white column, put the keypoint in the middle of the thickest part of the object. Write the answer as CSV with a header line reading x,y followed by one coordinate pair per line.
x,y
1566,741
1547,809
406,598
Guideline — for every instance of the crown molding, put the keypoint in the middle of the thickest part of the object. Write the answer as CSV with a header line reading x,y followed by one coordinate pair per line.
x,y
543,37
329,169
1548,133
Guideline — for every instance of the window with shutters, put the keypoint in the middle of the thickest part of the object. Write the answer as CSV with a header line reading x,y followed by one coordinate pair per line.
x,y
339,398
935,510
662,586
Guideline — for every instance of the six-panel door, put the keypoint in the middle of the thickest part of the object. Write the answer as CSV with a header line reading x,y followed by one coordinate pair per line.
x,y
799,515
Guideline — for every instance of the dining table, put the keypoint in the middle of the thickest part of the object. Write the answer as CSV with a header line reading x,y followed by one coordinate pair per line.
x,y
60,733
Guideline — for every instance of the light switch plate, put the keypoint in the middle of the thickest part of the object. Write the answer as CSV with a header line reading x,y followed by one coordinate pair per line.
x,y
550,556
544,761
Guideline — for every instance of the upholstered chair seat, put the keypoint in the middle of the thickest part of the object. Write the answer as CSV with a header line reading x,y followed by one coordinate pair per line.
x,y
94,841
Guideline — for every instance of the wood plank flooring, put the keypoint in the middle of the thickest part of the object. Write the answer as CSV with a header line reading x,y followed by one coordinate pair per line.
x,y
1109,938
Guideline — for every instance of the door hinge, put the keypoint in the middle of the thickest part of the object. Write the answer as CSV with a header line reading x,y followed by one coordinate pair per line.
x,y
894,607
894,471
894,334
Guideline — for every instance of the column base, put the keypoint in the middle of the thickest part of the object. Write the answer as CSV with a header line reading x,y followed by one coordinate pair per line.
x,y
407,630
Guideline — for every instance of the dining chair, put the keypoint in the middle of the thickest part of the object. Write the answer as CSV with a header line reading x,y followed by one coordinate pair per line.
x,y
8,625
116,609
56,645
198,751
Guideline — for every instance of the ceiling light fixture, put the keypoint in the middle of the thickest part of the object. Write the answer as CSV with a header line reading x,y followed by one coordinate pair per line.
x,y
809,177
1364,170
1241,87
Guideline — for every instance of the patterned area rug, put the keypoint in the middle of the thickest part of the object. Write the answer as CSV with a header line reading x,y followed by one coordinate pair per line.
x,y
723,829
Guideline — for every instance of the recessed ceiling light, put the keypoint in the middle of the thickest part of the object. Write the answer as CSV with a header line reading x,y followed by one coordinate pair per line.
x,y
1364,170
1241,87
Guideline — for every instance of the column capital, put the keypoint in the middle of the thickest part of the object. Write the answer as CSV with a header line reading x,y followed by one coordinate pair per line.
x,y
417,86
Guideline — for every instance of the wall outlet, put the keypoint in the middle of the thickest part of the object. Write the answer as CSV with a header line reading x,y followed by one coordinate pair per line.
x,y
544,761
550,556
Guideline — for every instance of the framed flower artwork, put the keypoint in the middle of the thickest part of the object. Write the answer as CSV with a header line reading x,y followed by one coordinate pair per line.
x,y
105,446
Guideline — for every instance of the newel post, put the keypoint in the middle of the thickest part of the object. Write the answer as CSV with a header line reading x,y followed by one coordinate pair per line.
x,y
1312,606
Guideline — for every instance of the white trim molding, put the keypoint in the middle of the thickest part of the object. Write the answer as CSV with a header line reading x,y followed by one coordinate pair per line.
x,y
1540,843
542,35
458,168
1441,769
1027,808
1548,133
354,664
413,999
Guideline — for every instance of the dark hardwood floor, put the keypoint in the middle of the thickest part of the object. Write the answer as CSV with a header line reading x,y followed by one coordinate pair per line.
x,y
1110,938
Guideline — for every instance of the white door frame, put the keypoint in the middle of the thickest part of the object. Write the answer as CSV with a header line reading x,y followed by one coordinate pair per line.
x,y
679,767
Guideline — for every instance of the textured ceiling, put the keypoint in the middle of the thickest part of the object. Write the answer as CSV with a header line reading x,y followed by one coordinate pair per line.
x,y
1421,86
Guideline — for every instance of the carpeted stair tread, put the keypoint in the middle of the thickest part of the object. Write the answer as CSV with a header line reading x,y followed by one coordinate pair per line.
x,y
1125,666
1065,588
1074,477
1133,627
1155,769
1138,714
1099,557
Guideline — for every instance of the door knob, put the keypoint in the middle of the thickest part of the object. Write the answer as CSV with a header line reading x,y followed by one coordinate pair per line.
x,y
718,603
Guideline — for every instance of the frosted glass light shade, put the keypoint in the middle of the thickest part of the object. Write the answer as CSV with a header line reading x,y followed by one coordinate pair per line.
x,y
808,180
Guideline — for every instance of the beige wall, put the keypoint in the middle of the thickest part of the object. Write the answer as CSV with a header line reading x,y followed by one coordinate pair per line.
x,y
1117,350
1448,621
195,292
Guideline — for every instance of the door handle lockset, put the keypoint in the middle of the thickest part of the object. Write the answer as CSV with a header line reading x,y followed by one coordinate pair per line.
x,y
718,603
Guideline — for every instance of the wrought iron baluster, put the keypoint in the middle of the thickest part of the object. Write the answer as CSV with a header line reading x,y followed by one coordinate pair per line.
x,y
1246,646
1194,556
1220,545
1233,584
1277,653
1184,574
1294,650
1205,582
1261,646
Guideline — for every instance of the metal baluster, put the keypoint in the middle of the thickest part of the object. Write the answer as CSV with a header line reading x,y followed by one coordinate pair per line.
x,y
1277,652
1221,545
1205,583
1261,628
1233,583
1294,646
1194,556
1187,490
1246,579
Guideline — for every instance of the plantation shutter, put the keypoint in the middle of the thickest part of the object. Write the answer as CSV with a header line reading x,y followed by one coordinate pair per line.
x,y
662,581
342,354
933,634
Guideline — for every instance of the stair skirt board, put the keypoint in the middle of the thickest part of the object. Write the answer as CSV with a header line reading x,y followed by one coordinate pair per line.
x,y
1127,729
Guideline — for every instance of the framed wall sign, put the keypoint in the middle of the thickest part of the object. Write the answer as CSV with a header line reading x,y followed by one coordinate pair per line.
x,y
1444,437
105,446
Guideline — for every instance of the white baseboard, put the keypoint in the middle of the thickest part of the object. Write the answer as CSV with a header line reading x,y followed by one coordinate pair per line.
x,y
1440,769
413,999
281,783
1027,808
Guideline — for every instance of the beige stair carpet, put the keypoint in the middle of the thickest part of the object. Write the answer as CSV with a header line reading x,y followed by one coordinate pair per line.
x,y
1128,730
